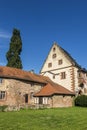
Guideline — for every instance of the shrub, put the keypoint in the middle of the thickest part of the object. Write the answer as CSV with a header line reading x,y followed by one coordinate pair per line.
x,y
3,108
81,101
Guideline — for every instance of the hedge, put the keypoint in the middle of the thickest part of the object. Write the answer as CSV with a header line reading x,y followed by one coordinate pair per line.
x,y
81,101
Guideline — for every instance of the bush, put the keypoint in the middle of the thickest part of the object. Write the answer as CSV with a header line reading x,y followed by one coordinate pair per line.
x,y
81,101
3,108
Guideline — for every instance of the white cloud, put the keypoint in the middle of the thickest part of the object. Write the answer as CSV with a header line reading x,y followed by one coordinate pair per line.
x,y
4,35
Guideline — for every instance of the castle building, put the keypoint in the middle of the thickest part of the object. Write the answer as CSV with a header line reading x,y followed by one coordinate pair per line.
x,y
20,89
60,78
61,68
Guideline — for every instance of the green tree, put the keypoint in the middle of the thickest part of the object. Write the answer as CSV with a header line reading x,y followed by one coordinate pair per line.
x,y
13,54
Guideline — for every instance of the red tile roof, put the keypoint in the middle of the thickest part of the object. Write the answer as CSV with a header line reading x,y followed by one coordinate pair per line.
x,y
14,73
52,88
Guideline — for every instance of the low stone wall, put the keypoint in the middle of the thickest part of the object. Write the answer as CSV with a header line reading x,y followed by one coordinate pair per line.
x,y
62,101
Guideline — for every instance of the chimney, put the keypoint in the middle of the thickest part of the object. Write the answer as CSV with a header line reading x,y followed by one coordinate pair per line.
x,y
32,71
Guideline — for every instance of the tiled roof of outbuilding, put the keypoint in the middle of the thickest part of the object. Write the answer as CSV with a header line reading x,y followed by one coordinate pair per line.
x,y
52,88
14,73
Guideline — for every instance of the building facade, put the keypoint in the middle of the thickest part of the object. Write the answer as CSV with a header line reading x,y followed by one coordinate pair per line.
x,y
20,89
61,68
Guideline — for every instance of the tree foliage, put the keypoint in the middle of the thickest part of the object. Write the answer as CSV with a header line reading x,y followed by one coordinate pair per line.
x,y
13,54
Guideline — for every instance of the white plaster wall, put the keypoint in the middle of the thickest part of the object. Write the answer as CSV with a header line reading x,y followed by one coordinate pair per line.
x,y
57,69
54,61
64,82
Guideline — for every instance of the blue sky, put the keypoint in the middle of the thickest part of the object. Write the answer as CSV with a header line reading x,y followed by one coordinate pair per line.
x,y
42,22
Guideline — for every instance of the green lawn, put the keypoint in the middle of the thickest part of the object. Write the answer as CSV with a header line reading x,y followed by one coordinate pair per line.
x,y
47,119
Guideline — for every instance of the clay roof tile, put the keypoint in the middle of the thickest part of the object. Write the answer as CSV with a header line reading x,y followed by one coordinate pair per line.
x,y
8,72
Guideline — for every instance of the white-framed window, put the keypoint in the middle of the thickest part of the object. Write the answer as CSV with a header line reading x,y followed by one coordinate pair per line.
x,y
36,100
45,100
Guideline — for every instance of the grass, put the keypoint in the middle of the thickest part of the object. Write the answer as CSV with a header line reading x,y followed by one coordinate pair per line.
x,y
74,118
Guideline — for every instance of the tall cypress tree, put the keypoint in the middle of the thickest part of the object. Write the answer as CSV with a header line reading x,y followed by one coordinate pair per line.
x,y
13,54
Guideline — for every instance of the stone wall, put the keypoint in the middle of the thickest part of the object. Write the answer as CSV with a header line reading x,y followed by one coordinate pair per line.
x,y
56,101
62,101
16,90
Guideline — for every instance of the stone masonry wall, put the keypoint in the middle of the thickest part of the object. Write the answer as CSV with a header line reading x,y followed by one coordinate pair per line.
x,y
62,101
16,90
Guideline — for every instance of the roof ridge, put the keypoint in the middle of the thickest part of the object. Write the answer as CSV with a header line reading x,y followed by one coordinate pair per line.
x,y
69,56
15,73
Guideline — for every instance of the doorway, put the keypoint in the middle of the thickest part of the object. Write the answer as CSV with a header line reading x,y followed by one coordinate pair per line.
x,y
40,100
26,98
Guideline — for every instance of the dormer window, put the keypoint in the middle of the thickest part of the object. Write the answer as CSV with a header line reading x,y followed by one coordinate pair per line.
x,y
54,56
60,62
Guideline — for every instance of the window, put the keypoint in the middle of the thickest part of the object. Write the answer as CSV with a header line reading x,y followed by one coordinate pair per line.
x,y
2,94
54,49
79,74
49,65
81,85
0,80
40,100
32,84
53,76
36,100
54,56
63,75
44,100
60,62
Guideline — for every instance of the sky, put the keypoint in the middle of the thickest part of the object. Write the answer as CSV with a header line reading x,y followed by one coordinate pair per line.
x,y
41,23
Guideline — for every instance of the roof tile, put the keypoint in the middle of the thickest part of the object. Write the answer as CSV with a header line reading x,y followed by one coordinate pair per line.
x,y
15,73
52,88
